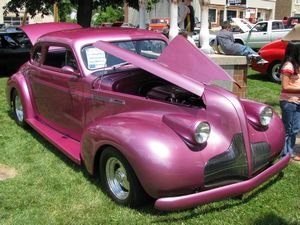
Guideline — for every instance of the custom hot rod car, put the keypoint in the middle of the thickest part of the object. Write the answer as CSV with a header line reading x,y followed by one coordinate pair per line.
x,y
146,116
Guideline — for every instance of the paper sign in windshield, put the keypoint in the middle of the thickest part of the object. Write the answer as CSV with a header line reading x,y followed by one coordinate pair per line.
x,y
95,58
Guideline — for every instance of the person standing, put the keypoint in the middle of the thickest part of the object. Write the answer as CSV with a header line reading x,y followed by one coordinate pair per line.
x,y
290,97
189,22
183,11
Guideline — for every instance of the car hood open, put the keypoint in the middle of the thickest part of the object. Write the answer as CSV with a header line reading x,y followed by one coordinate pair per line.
x,y
243,24
180,63
34,31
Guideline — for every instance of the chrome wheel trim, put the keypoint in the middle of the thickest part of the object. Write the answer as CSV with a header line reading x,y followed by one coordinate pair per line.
x,y
19,108
275,72
117,178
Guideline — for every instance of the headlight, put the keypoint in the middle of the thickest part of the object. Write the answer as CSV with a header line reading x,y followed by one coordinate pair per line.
x,y
202,132
265,116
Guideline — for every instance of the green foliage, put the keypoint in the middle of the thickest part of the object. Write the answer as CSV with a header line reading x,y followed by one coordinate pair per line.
x,y
50,189
110,14
84,8
65,9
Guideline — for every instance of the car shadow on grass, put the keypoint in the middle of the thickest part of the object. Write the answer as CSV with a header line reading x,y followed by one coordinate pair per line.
x,y
51,148
258,76
272,218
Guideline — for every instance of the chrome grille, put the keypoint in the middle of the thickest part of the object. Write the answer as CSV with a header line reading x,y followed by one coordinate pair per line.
x,y
228,167
261,156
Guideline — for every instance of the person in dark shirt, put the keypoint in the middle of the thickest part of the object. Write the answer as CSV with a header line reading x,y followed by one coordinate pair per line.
x,y
189,22
226,41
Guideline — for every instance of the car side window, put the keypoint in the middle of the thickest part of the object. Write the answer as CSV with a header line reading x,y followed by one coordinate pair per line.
x,y
37,55
58,57
260,27
277,26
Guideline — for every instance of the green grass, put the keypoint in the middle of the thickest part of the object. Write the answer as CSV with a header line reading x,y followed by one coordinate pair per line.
x,y
262,90
50,189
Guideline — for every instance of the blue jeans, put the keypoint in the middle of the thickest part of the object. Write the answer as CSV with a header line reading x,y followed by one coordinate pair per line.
x,y
246,50
291,121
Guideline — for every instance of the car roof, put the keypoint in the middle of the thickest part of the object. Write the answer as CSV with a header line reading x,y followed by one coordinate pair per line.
x,y
83,36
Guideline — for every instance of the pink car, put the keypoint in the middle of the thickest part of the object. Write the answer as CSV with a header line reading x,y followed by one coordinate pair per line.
x,y
145,115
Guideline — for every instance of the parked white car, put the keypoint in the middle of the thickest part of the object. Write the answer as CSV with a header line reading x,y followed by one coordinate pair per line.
x,y
261,33
196,36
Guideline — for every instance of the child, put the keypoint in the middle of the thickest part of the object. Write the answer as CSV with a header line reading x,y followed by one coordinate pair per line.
x,y
290,97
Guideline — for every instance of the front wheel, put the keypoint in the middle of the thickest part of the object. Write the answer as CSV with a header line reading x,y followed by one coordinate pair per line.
x,y
273,72
18,109
119,179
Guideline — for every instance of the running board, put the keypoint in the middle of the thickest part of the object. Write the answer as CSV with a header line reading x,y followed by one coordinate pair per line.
x,y
68,146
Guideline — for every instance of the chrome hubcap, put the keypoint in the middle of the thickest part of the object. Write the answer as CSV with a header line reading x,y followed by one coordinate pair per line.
x,y
275,72
19,108
117,178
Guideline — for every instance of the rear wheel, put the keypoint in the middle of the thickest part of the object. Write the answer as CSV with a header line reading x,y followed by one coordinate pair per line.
x,y
18,109
119,179
273,71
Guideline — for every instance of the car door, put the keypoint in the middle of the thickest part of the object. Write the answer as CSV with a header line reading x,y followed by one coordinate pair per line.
x,y
258,36
55,84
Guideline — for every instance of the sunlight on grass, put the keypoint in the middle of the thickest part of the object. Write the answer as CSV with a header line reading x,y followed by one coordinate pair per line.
x,y
260,89
50,189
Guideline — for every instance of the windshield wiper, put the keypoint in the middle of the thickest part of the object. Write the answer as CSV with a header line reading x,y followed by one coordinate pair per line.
x,y
117,66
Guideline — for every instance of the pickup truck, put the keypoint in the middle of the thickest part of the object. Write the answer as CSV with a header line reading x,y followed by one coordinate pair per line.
x,y
291,21
261,33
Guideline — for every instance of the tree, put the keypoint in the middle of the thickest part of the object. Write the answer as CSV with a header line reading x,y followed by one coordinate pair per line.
x,y
84,7
111,14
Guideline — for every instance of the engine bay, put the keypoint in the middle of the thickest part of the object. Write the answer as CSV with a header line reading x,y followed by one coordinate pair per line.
x,y
141,83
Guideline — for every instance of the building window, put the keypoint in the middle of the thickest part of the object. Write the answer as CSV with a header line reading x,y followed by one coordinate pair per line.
x,y
241,14
212,15
297,2
14,21
231,14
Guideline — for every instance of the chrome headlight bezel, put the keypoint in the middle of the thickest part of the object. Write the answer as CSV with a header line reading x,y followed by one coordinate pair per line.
x,y
265,116
202,132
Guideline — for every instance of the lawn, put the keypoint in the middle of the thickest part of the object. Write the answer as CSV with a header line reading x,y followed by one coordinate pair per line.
x,y
51,189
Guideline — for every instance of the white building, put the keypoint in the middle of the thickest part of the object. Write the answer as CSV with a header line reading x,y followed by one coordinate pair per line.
x,y
218,10
12,20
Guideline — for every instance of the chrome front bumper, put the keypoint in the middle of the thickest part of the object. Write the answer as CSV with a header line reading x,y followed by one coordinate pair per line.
x,y
200,198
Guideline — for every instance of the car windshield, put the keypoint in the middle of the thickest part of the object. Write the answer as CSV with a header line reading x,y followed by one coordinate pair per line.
x,y
14,40
95,58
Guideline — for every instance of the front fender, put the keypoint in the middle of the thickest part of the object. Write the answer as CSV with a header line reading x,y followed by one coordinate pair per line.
x,y
18,82
162,162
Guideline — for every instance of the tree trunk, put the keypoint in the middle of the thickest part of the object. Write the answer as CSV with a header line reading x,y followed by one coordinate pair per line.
x,y
125,12
84,12
55,12
142,13
173,19
25,17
